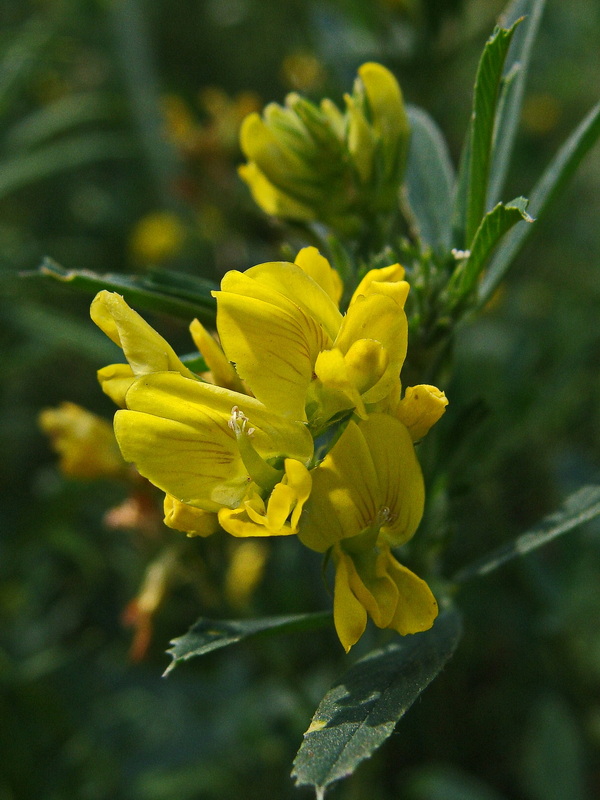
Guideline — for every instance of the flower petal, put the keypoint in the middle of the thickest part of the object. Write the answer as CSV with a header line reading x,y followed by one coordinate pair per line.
x,y
387,280
345,494
401,486
379,318
190,520
420,408
417,607
144,348
319,269
176,431
273,343
349,615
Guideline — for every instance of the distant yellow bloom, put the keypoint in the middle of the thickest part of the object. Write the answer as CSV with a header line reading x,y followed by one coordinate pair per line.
x,y
157,237
244,571
303,71
85,443
367,496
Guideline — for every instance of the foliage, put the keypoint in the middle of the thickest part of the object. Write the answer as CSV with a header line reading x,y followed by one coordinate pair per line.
x,y
116,166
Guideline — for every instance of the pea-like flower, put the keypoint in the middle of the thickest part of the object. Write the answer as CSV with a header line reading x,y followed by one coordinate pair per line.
x,y
367,497
84,442
281,326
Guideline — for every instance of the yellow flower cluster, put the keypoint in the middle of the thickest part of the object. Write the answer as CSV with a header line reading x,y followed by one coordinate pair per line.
x,y
300,428
318,163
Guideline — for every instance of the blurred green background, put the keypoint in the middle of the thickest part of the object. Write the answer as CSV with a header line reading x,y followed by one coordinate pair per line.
x,y
118,153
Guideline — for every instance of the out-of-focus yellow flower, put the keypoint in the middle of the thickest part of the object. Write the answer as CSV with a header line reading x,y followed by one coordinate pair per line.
x,y
303,71
317,163
280,324
367,497
157,237
244,571
140,612
84,442
540,114
180,125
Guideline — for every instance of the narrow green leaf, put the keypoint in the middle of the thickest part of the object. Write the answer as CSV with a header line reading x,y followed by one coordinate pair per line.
x,y
362,709
494,225
580,507
429,180
508,113
485,98
61,117
207,635
61,156
461,195
554,763
550,184
442,782
176,294
21,57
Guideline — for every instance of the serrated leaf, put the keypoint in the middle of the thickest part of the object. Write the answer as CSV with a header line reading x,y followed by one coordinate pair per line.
x,y
485,98
207,635
494,225
580,507
179,295
362,709
429,180
559,171
512,87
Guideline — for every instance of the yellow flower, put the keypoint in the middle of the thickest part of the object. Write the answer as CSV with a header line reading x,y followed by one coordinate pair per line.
x,y
279,515
368,496
244,571
203,444
156,237
85,442
281,326
145,350
319,163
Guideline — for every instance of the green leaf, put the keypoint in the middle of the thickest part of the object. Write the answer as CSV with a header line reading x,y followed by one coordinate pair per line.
x,y
550,184
578,508
177,294
553,752
494,225
429,180
441,782
61,156
207,635
485,98
60,117
512,87
21,57
361,710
